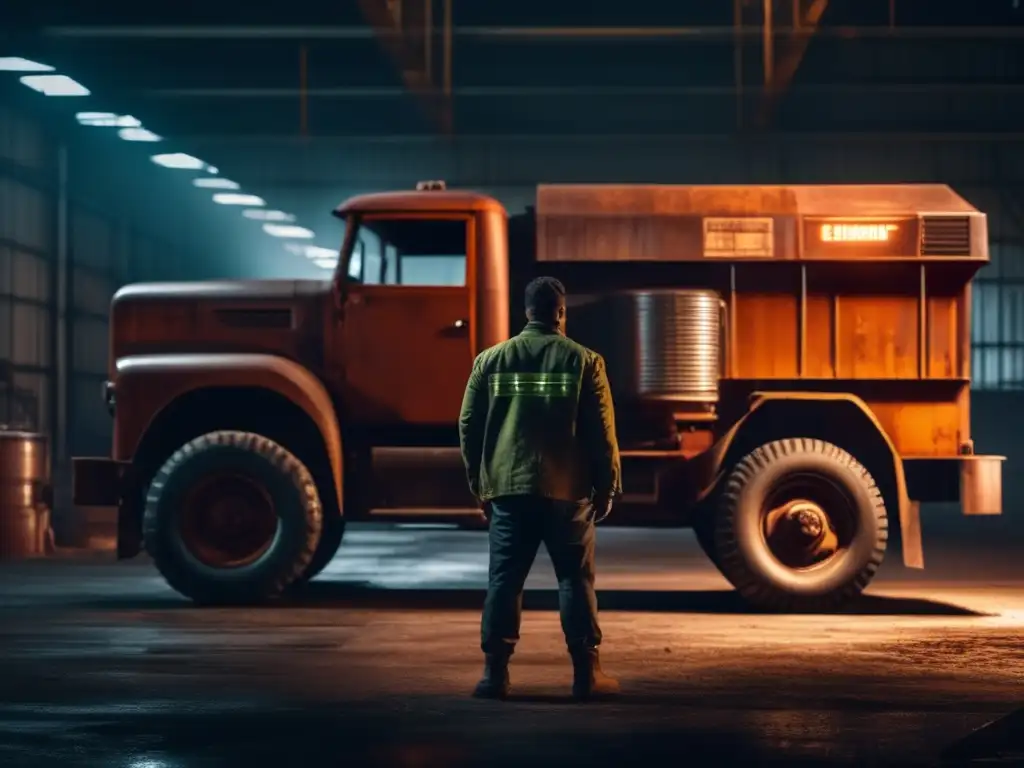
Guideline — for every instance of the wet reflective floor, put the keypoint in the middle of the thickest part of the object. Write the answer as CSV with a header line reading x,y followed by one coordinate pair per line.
x,y
102,665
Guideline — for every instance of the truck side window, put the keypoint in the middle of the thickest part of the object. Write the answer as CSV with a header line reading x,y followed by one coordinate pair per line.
x,y
411,251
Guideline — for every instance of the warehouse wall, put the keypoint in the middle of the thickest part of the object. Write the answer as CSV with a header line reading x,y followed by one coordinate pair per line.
x,y
69,239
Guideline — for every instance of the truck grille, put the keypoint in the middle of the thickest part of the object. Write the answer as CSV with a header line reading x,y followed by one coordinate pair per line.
x,y
255,318
946,236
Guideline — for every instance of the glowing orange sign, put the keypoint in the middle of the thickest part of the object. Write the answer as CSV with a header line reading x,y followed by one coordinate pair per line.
x,y
857,233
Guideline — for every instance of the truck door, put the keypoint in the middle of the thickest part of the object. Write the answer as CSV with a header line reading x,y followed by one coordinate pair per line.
x,y
408,318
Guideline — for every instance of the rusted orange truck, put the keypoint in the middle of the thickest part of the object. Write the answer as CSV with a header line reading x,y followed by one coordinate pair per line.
x,y
791,368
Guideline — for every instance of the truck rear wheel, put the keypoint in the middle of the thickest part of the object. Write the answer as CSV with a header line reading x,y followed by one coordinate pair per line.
x,y
801,527
232,518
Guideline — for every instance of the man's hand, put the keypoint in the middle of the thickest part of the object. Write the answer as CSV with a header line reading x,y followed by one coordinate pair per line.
x,y
602,507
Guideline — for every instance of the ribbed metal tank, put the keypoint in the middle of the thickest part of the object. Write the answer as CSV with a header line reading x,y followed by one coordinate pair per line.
x,y
24,494
658,344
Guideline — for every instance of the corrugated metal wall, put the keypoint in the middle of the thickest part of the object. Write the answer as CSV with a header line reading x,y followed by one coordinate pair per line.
x,y
60,263
27,246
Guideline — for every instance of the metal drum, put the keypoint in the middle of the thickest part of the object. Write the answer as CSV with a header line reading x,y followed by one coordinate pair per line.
x,y
24,495
658,344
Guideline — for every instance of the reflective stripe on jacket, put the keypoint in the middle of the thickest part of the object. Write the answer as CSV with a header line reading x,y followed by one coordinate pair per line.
x,y
537,418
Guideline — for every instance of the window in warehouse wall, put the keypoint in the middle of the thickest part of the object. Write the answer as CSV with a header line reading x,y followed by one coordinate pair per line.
x,y
25,216
22,143
997,325
31,345
26,219
32,400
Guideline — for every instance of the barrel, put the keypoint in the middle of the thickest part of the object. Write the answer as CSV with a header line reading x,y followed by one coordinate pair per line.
x,y
24,495
657,344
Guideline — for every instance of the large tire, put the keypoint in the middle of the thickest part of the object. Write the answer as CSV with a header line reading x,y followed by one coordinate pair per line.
x,y
793,483
232,518
331,535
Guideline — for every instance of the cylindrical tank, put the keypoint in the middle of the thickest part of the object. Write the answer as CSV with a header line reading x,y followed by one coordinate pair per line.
x,y
658,344
24,494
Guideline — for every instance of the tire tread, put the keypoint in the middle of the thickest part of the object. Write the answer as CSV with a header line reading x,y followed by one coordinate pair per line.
x,y
284,462
753,589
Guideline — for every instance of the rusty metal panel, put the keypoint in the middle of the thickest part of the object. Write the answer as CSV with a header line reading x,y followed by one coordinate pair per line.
x,y
608,222
981,485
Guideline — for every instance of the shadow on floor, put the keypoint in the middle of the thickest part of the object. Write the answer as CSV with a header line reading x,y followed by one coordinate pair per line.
x,y
338,736
999,740
347,594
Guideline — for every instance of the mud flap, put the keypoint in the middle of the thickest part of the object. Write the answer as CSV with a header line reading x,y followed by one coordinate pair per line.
x,y
910,532
102,482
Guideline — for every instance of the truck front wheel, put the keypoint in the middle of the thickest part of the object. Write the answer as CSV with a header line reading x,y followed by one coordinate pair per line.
x,y
232,518
801,527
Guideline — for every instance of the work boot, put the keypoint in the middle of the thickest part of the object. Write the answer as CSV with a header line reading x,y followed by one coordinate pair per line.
x,y
588,680
495,682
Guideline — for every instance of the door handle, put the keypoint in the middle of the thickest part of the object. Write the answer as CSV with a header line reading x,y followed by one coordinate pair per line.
x,y
458,328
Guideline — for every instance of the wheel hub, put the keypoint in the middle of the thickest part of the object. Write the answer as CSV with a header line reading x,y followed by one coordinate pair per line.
x,y
228,520
800,533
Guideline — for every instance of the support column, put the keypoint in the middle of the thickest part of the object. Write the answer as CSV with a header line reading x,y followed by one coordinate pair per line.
x,y
62,317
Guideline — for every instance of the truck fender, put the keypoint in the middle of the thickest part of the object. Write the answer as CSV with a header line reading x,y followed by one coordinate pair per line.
x,y
718,459
144,385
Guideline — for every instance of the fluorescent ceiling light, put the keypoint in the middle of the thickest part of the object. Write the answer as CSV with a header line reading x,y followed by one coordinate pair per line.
x,y
55,85
288,230
18,64
213,169
215,183
108,120
261,215
319,252
326,263
312,251
138,134
179,160
232,198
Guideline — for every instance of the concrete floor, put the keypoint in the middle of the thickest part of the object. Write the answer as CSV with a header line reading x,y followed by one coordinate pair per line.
x,y
100,664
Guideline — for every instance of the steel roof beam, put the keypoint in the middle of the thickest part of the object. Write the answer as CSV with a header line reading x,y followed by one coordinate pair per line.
x,y
779,74
483,91
414,62
720,33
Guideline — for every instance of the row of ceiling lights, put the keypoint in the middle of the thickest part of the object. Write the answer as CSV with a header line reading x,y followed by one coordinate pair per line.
x,y
278,224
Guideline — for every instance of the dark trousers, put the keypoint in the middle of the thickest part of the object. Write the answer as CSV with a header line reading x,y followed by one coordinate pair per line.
x,y
518,525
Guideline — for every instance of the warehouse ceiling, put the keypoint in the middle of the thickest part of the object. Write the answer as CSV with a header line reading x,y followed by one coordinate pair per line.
x,y
227,69
266,91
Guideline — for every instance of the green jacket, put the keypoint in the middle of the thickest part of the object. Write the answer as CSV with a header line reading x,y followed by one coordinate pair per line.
x,y
537,418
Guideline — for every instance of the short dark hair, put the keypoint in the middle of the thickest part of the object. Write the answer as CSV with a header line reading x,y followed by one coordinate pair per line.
x,y
544,295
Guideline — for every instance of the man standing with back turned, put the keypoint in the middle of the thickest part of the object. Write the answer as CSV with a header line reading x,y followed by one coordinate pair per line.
x,y
538,438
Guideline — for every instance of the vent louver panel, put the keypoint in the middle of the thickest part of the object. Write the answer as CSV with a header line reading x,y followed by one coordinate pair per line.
x,y
946,236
